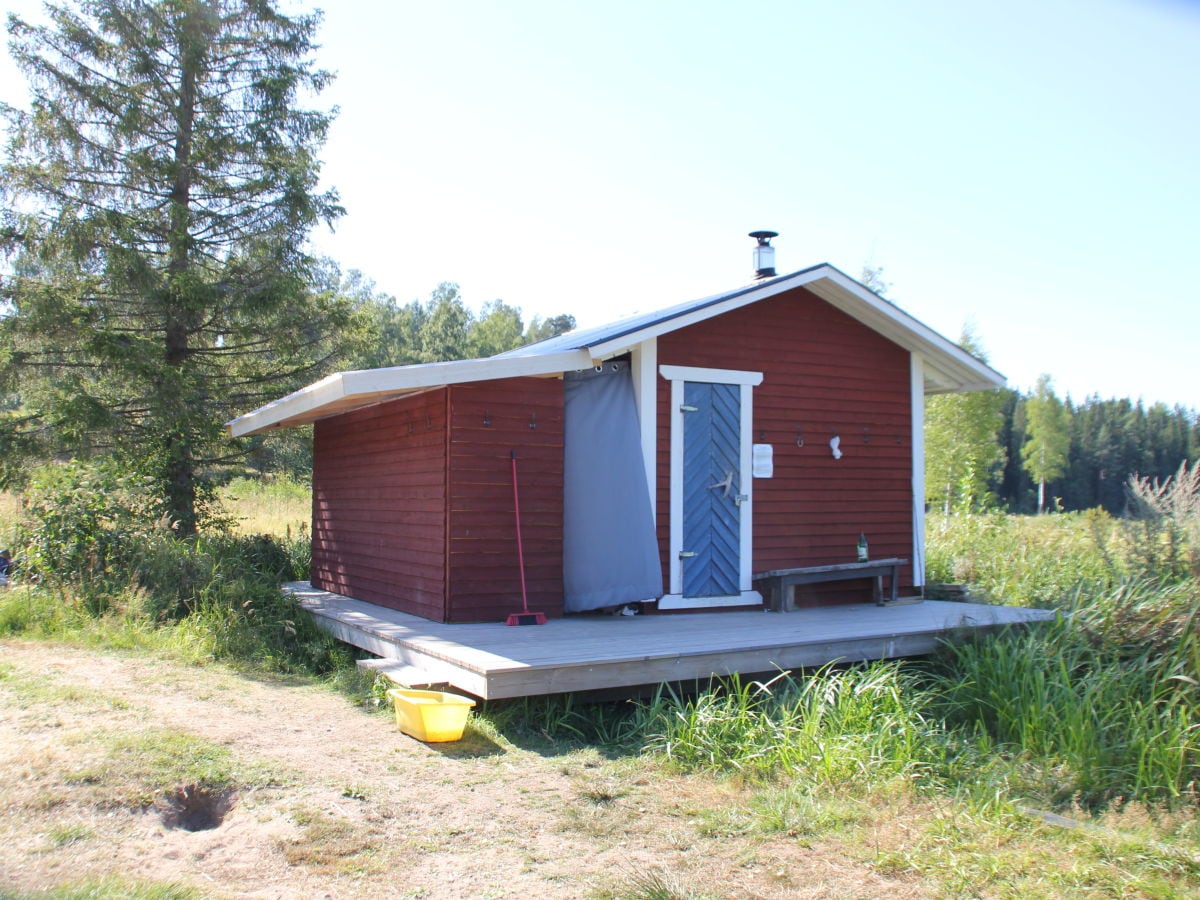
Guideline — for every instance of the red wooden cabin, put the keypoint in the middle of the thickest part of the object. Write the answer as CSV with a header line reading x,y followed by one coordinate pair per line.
x,y
662,460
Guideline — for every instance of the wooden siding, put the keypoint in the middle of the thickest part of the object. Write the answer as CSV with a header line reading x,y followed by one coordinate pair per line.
x,y
413,502
824,373
379,504
484,578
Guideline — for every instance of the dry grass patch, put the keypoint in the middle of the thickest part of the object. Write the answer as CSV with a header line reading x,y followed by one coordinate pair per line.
x,y
332,844
269,506
11,515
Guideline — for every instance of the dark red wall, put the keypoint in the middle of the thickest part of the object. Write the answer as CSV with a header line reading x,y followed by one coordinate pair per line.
x,y
413,501
484,577
824,373
379,504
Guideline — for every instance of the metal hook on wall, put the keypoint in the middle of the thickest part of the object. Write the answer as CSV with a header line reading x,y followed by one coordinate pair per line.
x,y
533,421
799,437
487,419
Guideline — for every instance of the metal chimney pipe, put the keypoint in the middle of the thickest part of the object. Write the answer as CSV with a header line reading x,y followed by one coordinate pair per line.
x,y
764,254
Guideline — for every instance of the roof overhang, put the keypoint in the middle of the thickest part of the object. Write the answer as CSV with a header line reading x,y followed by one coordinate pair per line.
x,y
346,391
947,366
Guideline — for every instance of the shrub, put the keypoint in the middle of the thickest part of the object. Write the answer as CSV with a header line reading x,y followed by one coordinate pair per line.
x,y
85,519
99,548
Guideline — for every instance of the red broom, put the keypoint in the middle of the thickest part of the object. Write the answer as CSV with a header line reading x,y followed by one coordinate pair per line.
x,y
525,617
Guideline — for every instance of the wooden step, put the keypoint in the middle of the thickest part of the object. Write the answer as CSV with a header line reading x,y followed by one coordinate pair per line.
x,y
401,673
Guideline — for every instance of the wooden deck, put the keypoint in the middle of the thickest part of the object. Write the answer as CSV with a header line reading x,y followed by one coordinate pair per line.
x,y
584,653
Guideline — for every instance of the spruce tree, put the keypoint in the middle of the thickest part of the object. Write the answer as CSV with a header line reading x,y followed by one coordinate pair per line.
x,y
158,194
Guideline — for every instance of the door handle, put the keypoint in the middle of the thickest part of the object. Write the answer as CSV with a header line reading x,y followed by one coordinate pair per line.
x,y
725,485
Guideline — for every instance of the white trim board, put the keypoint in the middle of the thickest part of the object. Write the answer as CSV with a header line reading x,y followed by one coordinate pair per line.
x,y
346,391
678,376
917,366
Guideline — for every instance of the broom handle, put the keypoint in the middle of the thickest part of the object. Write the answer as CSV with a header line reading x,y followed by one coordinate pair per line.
x,y
520,550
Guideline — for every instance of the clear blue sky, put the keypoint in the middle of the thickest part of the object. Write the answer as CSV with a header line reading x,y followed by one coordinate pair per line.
x,y
1032,168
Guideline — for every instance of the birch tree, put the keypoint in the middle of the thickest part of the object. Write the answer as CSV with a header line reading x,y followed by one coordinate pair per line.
x,y
963,454
1048,440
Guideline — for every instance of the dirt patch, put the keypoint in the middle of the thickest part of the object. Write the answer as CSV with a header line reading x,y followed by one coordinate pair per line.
x,y
312,797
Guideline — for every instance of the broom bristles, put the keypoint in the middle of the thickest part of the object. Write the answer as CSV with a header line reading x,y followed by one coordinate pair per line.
x,y
526,618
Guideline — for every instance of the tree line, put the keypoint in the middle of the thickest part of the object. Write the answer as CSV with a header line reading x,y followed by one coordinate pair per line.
x,y
1032,452
440,328
1107,441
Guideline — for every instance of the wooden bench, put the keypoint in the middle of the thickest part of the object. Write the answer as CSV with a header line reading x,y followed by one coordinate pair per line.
x,y
781,583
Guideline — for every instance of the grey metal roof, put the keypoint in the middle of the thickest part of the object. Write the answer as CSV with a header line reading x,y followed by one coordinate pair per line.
x,y
945,365
604,334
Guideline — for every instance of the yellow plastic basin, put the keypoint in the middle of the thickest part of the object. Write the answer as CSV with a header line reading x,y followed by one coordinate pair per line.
x,y
431,715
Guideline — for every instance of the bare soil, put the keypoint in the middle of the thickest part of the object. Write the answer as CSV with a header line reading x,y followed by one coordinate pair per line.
x,y
334,801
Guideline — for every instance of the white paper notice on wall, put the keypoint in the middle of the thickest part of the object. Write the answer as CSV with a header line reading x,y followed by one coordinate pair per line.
x,y
764,461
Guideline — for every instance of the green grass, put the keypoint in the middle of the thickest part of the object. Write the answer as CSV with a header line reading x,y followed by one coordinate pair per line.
x,y
114,887
1074,710
656,884
29,692
1096,715
1003,854
135,767
72,833
1025,560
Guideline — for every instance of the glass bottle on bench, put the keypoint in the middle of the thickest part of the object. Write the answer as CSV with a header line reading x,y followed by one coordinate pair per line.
x,y
863,555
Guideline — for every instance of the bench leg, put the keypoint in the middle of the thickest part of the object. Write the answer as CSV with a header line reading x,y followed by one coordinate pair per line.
x,y
892,593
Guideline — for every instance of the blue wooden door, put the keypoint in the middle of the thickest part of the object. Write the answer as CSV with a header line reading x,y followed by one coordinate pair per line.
x,y
712,477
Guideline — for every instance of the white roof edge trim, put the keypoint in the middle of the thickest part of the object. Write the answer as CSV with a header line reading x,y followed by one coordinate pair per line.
x,y
985,376
657,329
328,390
368,383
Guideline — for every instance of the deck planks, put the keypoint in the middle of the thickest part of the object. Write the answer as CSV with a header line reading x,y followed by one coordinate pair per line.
x,y
580,653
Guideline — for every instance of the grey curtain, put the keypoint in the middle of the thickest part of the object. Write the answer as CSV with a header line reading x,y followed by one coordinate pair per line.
x,y
610,550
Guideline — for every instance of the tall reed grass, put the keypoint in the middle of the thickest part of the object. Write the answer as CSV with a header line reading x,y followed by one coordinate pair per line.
x,y
1104,703
863,725
1064,718
1025,560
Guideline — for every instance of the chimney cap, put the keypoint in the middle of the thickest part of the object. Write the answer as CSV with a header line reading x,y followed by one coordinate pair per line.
x,y
764,254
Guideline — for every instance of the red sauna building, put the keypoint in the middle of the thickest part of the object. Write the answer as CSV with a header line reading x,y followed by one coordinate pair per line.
x,y
663,460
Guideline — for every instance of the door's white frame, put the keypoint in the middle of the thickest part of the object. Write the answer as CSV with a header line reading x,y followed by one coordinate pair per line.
x,y
678,376
918,468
